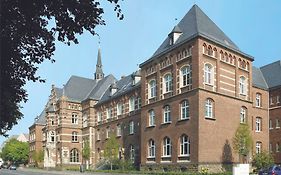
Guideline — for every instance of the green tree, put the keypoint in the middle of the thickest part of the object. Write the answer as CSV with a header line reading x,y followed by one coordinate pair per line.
x,y
38,157
262,160
27,38
86,151
111,150
242,142
15,151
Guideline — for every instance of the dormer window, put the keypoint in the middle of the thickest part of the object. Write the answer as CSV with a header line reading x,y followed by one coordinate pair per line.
x,y
174,35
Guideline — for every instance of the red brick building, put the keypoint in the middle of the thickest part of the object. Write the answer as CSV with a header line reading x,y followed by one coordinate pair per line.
x,y
196,90
271,73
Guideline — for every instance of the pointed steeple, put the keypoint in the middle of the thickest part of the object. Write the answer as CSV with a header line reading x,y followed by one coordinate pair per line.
x,y
99,73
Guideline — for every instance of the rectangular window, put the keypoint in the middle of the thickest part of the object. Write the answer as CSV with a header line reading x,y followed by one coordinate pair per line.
x,y
74,119
258,100
107,132
278,147
108,113
98,134
278,99
277,123
131,127
271,100
118,130
270,147
151,118
131,104
99,118
137,103
270,124
258,124
119,109
258,147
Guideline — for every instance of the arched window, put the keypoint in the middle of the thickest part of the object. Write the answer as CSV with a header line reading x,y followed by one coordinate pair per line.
x,y
210,51
204,48
151,148
132,153
226,57
74,136
208,74
221,55
184,145
151,118
167,147
185,76
243,115
185,110
167,114
242,85
209,108
258,147
74,155
152,89
215,52
167,86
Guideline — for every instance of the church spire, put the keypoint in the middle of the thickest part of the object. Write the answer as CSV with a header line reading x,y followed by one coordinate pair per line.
x,y
99,73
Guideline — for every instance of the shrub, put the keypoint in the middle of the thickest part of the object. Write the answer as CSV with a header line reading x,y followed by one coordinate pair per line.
x,y
263,160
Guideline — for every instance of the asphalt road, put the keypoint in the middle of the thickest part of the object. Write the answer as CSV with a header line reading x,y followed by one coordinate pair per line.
x,y
24,171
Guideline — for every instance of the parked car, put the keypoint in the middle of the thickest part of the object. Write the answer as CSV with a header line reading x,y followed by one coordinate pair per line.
x,y
273,170
5,166
13,167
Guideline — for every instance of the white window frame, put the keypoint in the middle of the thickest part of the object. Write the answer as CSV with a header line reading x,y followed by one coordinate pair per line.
x,y
258,124
131,127
278,99
242,85
151,148
277,147
208,74
151,118
277,123
119,109
152,89
131,104
167,147
258,100
52,136
243,115
270,124
108,113
74,118
258,147
209,108
167,83
98,134
167,114
118,130
74,156
99,116
186,76
184,145
184,110
132,153
107,132
74,136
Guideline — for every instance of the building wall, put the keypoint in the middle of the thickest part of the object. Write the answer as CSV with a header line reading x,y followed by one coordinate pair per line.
x,y
35,140
274,129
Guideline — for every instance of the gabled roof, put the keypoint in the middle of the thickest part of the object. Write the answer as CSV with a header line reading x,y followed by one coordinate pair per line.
x,y
272,74
41,119
197,23
77,88
124,85
258,79
98,90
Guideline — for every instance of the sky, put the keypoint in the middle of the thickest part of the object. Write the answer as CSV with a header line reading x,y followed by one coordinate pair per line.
x,y
253,25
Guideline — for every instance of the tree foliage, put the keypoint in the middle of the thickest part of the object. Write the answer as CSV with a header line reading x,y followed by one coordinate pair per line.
x,y
262,160
28,38
242,140
38,157
15,151
86,151
111,150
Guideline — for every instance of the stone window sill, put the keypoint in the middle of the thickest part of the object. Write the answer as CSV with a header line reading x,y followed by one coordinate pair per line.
x,y
210,118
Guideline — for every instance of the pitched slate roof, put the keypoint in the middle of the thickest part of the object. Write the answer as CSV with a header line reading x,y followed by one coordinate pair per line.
x,y
197,23
124,85
41,119
58,92
77,88
258,79
98,90
272,74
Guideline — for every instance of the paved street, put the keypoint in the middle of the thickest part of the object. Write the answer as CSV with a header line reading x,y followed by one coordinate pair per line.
x,y
44,172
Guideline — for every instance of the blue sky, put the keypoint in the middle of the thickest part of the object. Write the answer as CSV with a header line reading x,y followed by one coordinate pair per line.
x,y
253,25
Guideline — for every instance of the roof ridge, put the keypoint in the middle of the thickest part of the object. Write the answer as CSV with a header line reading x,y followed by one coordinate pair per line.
x,y
271,64
195,16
